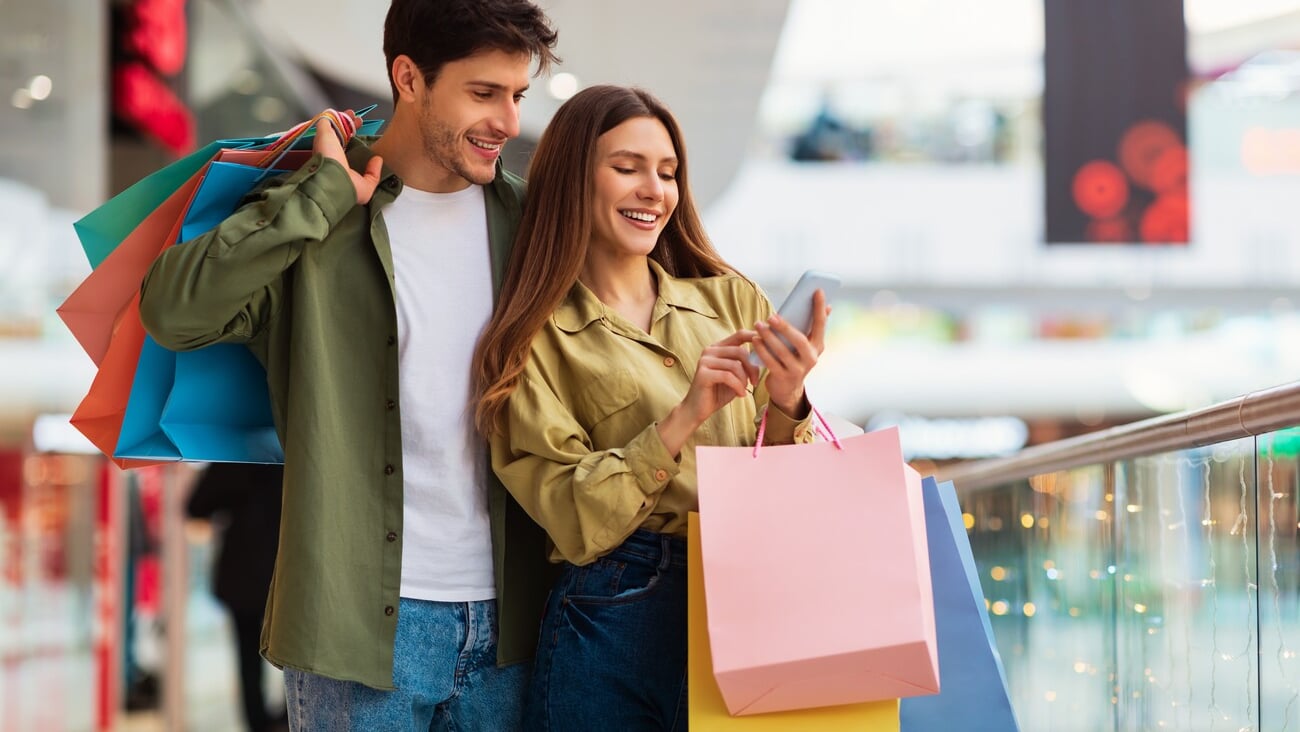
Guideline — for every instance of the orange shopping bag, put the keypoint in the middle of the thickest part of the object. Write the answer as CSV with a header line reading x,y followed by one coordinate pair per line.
x,y
99,415
91,309
817,574
707,711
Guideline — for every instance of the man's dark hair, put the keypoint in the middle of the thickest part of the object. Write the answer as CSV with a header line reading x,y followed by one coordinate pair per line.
x,y
436,32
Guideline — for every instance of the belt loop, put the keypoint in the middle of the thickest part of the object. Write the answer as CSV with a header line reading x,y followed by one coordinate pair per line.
x,y
665,552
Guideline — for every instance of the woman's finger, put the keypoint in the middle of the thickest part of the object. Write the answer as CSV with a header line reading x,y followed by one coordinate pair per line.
x,y
778,354
817,334
734,374
738,353
803,349
738,338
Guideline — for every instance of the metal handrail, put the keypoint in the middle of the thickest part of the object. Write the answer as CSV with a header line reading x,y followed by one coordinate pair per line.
x,y
1256,413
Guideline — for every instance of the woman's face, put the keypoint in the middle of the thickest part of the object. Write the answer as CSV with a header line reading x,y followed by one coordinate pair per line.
x,y
635,187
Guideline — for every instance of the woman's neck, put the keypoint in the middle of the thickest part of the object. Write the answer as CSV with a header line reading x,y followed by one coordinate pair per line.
x,y
626,285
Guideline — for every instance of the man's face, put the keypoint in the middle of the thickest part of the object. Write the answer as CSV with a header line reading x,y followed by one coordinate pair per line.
x,y
469,112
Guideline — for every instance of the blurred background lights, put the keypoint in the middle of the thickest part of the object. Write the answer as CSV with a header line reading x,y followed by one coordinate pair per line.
x,y
40,87
563,85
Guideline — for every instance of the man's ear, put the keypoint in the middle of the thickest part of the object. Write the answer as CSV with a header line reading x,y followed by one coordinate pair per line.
x,y
408,78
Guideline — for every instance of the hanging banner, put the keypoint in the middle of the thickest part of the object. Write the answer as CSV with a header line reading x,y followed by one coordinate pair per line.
x,y
1115,122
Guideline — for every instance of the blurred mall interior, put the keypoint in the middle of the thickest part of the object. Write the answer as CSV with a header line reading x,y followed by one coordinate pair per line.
x,y
1070,270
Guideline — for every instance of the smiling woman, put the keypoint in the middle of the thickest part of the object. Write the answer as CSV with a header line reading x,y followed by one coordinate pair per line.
x,y
618,345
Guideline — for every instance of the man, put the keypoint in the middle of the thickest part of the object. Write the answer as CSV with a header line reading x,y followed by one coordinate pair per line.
x,y
361,282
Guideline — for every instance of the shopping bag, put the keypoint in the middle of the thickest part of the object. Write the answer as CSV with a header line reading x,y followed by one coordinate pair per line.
x,y
708,713
209,405
103,229
974,694
99,415
104,316
816,572
91,309
123,260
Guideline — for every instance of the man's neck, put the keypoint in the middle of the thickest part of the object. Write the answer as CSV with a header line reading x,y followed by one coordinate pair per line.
x,y
404,154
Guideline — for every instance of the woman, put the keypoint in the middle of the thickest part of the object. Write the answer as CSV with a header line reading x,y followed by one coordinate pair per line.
x,y
619,344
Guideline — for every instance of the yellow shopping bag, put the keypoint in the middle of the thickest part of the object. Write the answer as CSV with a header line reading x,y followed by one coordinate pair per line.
x,y
707,710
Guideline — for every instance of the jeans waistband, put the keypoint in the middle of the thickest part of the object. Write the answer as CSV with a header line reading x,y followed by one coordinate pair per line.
x,y
661,550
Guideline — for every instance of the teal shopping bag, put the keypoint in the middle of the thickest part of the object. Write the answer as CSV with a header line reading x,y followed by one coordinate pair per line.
x,y
101,230
972,685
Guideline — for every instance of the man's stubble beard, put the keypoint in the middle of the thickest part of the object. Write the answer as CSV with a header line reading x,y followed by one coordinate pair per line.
x,y
442,146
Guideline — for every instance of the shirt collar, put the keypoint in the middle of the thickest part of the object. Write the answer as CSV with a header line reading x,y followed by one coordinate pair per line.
x,y
581,307
679,295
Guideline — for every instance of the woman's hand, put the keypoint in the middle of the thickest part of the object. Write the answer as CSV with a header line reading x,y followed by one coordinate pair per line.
x,y
328,145
722,374
786,369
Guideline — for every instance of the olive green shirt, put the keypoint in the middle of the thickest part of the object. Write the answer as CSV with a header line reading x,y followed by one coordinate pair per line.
x,y
581,452
304,276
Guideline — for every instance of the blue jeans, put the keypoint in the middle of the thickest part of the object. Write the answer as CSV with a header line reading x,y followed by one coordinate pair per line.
x,y
445,671
612,651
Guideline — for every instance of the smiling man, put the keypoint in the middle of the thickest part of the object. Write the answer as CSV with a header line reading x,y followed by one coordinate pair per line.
x,y
361,283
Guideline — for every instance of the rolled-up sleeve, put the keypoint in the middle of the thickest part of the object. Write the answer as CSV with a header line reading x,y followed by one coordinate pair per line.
x,y
589,501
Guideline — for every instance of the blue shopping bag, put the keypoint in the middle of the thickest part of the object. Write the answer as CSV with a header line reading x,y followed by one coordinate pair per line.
x,y
972,685
209,405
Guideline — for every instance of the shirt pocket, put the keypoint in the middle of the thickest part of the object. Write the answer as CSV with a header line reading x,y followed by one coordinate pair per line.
x,y
606,397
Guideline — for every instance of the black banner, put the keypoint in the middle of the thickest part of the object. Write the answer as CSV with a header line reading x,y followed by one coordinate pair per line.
x,y
1115,122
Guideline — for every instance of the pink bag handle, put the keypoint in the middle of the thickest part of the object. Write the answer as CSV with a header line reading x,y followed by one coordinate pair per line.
x,y
829,434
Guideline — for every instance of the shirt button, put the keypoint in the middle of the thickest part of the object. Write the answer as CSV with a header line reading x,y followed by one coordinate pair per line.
x,y
661,475
392,536
388,469
388,610
669,361
390,404
392,340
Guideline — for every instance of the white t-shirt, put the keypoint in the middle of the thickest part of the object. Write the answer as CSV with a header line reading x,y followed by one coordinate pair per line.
x,y
443,275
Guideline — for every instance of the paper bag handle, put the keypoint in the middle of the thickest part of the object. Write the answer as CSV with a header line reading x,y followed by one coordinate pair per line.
x,y
829,434
342,123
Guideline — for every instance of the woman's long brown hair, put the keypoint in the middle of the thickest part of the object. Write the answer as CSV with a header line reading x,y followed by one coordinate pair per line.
x,y
554,232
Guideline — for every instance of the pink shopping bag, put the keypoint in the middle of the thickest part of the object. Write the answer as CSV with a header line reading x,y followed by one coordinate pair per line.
x,y
817,574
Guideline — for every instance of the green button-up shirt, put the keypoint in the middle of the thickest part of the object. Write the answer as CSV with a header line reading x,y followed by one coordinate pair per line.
x,y
304,276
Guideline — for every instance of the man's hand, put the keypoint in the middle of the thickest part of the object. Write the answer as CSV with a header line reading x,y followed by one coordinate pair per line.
x,y
327,144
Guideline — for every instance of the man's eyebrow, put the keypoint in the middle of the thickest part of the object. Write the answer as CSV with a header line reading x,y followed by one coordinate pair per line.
x,y
637,156
494,86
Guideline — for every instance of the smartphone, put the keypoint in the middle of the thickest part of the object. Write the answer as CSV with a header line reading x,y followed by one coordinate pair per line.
x,y
797,308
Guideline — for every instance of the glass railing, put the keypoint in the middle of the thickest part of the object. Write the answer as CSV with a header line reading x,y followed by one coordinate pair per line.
x,y
1155,586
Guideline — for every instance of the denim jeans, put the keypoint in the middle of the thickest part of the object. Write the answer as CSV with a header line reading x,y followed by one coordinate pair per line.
x,y
445,671
612,651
